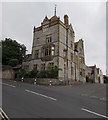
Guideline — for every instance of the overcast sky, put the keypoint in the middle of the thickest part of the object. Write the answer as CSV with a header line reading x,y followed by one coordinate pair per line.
x,y
87,18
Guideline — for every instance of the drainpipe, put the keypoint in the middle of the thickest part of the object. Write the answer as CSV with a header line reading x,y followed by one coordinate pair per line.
x,y
67,81
75,51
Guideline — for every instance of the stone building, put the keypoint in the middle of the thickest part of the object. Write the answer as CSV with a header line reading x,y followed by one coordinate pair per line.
x,y
100,76
80,61
94,73
88,73
54,45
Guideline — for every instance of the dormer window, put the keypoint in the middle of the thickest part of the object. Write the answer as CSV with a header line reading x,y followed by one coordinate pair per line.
x,y
45,28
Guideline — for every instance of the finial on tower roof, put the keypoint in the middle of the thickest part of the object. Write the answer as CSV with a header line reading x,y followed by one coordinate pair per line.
x,y
55,10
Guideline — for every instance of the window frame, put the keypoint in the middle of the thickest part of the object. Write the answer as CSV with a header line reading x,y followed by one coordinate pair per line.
x,y
36,54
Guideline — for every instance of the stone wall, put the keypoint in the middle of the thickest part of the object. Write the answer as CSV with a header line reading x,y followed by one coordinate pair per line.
x,y
48,81
8,74
41,81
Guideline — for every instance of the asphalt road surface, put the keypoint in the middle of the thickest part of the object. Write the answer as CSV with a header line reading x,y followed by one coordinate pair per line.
x,y
22,100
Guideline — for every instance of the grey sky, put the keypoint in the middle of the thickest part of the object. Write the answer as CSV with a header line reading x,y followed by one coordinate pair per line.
x,y
88,20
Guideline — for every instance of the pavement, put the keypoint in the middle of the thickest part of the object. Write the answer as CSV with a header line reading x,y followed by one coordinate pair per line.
x,y
22,100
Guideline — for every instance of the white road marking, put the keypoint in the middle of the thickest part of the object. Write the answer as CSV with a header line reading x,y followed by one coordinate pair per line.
x,y
2,112
94,113
1,115
103,99
93,96
8,85
41,95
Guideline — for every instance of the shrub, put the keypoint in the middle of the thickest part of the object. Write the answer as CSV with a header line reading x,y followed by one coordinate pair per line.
x,y
89,80
105,79
33,73
30,74
49,73
21,73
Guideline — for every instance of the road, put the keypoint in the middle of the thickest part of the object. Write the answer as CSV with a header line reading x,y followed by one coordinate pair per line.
x,y
22,100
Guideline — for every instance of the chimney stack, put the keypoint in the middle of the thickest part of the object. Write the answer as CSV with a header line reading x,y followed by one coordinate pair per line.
x,y
66,20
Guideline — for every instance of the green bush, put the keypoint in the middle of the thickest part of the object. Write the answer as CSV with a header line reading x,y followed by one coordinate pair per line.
x,y
89,80
30,74
42,74
33,73
49,73
21,73
105,79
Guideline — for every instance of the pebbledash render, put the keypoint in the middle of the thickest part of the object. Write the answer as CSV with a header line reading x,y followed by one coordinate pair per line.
x,y
54,45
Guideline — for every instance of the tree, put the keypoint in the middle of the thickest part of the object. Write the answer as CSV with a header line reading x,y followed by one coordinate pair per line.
x,y
105,79
12,51
13,62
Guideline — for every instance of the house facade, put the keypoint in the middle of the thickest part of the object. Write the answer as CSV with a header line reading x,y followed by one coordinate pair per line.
x,y
54,45
94,73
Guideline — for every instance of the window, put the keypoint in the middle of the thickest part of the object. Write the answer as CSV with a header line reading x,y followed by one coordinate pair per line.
x,y
35,66
82,60
80,50
71,44
46,52
37,40
72,70
65,53
42,52
49,51
52,50
48,39
51,65
71,33
92,72
72,57
45,28
82,45
42,66
36,54
64,68
76,47
83,72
